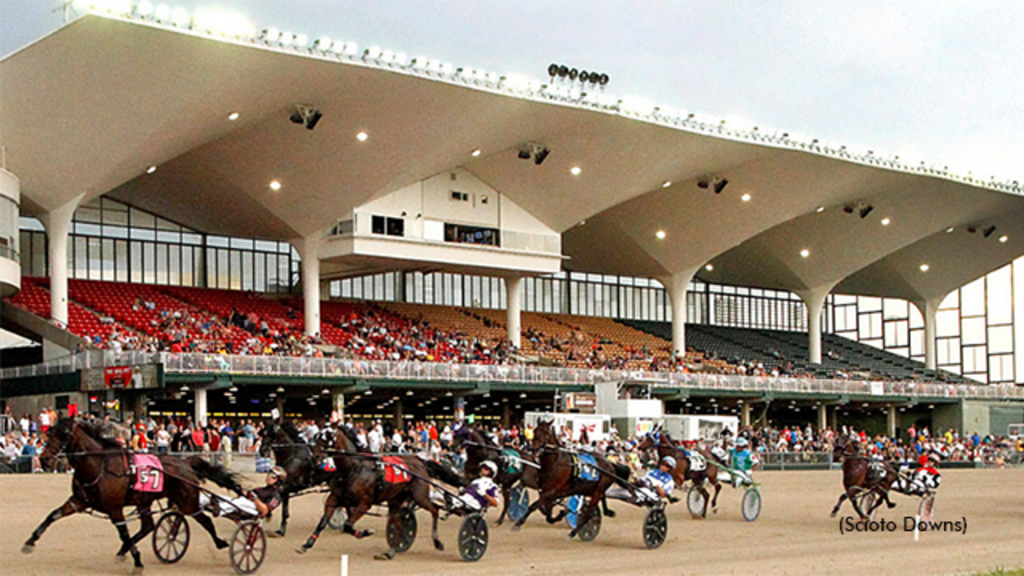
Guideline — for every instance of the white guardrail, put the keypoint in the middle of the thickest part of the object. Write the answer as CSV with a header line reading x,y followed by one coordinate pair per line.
x,y
431,371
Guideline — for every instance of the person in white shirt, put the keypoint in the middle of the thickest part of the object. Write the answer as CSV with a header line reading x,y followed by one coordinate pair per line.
x,y
373,439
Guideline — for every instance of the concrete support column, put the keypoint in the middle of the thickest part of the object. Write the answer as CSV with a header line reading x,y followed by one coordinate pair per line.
x,y
337,407
309,251
745,414
891,422
822,417
929,310
199,407
676,286
512,284
279,404
398,417
814,299
325,289
58,224
506,416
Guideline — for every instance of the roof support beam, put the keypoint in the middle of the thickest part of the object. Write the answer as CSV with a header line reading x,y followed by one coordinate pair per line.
x,y
815,301
58,224
677,285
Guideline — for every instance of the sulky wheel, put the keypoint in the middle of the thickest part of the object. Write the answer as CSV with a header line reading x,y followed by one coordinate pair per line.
x,y
695,502
402,538
248,547
655,528
337,520
170,537
519,503
926,508
590,530
473,538
751,504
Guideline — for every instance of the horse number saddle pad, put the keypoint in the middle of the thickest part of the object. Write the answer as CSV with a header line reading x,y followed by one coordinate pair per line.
x,y
149,473
395,471
586,467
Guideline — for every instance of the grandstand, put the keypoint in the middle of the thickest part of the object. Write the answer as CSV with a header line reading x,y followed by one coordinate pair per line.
x,y
212,236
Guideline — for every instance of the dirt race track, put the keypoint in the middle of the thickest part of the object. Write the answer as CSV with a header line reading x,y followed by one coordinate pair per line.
x,y
794,535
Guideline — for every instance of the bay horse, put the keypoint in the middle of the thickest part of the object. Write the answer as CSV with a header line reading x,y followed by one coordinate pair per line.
x,y
296,456
557,480
358,484
662,443
479,449
857,478
103,482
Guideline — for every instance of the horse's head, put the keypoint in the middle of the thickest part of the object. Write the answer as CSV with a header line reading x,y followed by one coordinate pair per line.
x,y
325,441
58,440
544,434
268,433
461,435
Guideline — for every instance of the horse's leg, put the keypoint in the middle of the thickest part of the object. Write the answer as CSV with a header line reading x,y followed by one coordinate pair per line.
x,y
117,518
395,523
851,492
885,497
69,507
505,490
707,497
146,515
604,506
187,500
541,500
713,479
421,495
355,514
835,510
284,516
329,507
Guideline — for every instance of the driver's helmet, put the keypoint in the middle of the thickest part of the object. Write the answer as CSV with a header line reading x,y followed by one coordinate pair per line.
x,y
489,466
547,418
279,473
741,442
669,461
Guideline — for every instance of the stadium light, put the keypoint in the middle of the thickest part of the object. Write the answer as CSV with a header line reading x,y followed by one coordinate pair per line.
x,y
864,211
988,231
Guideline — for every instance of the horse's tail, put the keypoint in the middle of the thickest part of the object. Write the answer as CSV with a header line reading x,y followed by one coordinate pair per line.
x,y
445,473
219,475
622,472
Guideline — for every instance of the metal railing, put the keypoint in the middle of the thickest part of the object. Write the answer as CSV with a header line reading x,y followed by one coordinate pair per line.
x,y
187,363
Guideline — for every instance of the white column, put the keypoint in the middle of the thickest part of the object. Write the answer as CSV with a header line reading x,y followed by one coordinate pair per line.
x,y
929,310
309,251
745,414
814,299
58,224
890,421
676,286
512,284
822,417
199,407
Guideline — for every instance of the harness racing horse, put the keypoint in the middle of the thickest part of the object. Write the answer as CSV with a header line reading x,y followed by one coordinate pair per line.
x,y
663,444
478,449
103,482
359,483
293,454
557,478
858,478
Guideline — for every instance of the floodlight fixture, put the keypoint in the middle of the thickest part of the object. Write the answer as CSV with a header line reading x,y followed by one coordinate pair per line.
x,y
988,231
306,115
865,210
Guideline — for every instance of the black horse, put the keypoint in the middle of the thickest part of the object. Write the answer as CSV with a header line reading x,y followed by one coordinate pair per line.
x,y
558,479
480,449
296,456
859,479
103,482
361,482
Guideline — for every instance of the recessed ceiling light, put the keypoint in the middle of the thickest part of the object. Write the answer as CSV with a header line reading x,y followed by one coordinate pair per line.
x,y
233,116
820,209
949,230
709,267
151,169
666,183
660,234
1003,239
575,170
362,136
885,221
475,153
275,185
745,197
924,267
805,253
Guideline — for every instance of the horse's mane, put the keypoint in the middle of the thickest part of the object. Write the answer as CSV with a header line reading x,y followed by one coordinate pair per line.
x,y
349,434
100,432
289,429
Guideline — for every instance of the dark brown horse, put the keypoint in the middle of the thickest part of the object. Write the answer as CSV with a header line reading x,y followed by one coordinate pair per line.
x,y
663,444
859,481
293,454
358,484
103,483
557,479
479,449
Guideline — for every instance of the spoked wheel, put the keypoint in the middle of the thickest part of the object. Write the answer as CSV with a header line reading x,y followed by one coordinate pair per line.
x,y
655,528
401,539
337,520
590,530
751,504
170,537
926,508
248,547
865,501
519,503
473,538
695,502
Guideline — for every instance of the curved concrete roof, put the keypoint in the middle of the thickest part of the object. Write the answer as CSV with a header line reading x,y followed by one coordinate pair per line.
x,y
91,106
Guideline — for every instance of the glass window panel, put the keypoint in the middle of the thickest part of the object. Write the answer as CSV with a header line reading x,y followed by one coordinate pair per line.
x,y
972,296
140,219
973,331
1000,339
1000,294
247,273
167,225
174,264
188,263
235,278
88,213
161,264
108,260
149,257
